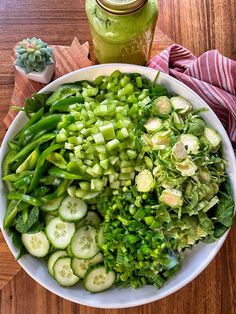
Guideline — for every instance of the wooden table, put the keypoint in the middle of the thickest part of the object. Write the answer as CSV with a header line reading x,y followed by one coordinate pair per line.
x,y
199,25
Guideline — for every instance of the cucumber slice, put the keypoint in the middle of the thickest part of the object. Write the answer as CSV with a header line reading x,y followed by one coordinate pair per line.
x,y
91,219
63,272
52,205
72,209
48,218
97,279
80,266
60,232
52,260
68,251
36,244
100,236
83,243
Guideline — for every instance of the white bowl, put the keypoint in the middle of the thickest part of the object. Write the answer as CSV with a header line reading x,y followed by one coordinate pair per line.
x,y
194,262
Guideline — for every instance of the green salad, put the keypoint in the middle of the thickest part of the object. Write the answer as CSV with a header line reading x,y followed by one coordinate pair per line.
x,y
111,180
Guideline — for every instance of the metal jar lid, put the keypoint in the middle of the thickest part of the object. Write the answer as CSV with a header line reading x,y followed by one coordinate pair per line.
x,y
121,6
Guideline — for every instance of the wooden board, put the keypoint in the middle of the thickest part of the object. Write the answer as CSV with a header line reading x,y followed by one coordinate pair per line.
x,y
199,25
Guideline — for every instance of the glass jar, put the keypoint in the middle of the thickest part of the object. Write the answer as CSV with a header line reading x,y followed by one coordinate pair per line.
x,y
122,30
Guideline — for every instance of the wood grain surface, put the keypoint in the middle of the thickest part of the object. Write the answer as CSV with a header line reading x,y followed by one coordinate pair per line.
x,y
199,25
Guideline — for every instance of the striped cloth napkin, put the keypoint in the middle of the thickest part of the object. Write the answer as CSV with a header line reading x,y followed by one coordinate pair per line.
x,y
212,76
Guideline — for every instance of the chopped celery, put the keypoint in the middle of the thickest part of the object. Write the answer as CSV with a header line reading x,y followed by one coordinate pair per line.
x,y
97,185
97,170
98,138
104,163
71,190
108,131
69,146
126,90
85,186
113,144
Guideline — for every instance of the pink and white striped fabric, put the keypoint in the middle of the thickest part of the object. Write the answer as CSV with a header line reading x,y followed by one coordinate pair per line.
x,y
212,76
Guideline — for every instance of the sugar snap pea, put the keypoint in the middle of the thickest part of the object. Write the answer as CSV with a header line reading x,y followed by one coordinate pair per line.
x,y
13,145
23,182
60,191
12,177
63,104
57,172
41,191
6,168
63,92
35,118
56,159
39,166
30,162
47,123
29,147
11,213
24,197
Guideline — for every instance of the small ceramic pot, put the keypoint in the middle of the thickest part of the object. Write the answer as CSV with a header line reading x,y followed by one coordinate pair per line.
x,y
42,77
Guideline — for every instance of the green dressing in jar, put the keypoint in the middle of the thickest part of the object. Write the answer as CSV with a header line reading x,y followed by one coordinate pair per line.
x,y
122,30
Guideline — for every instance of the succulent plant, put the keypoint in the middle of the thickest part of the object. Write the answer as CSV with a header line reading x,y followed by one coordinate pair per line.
x,y
32,54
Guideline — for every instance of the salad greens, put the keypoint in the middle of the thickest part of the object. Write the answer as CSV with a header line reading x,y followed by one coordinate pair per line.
x,y
112,180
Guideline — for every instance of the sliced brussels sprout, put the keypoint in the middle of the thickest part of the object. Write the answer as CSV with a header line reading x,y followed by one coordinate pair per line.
x,y
212,136
167,185
156,171
179,151
178,121
213,189
211,204
162,106
160,138
148,162
144,181
196,126
204,175
191,142
147,139
172,198
153,124
186,167
188,189
196,235
180,104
